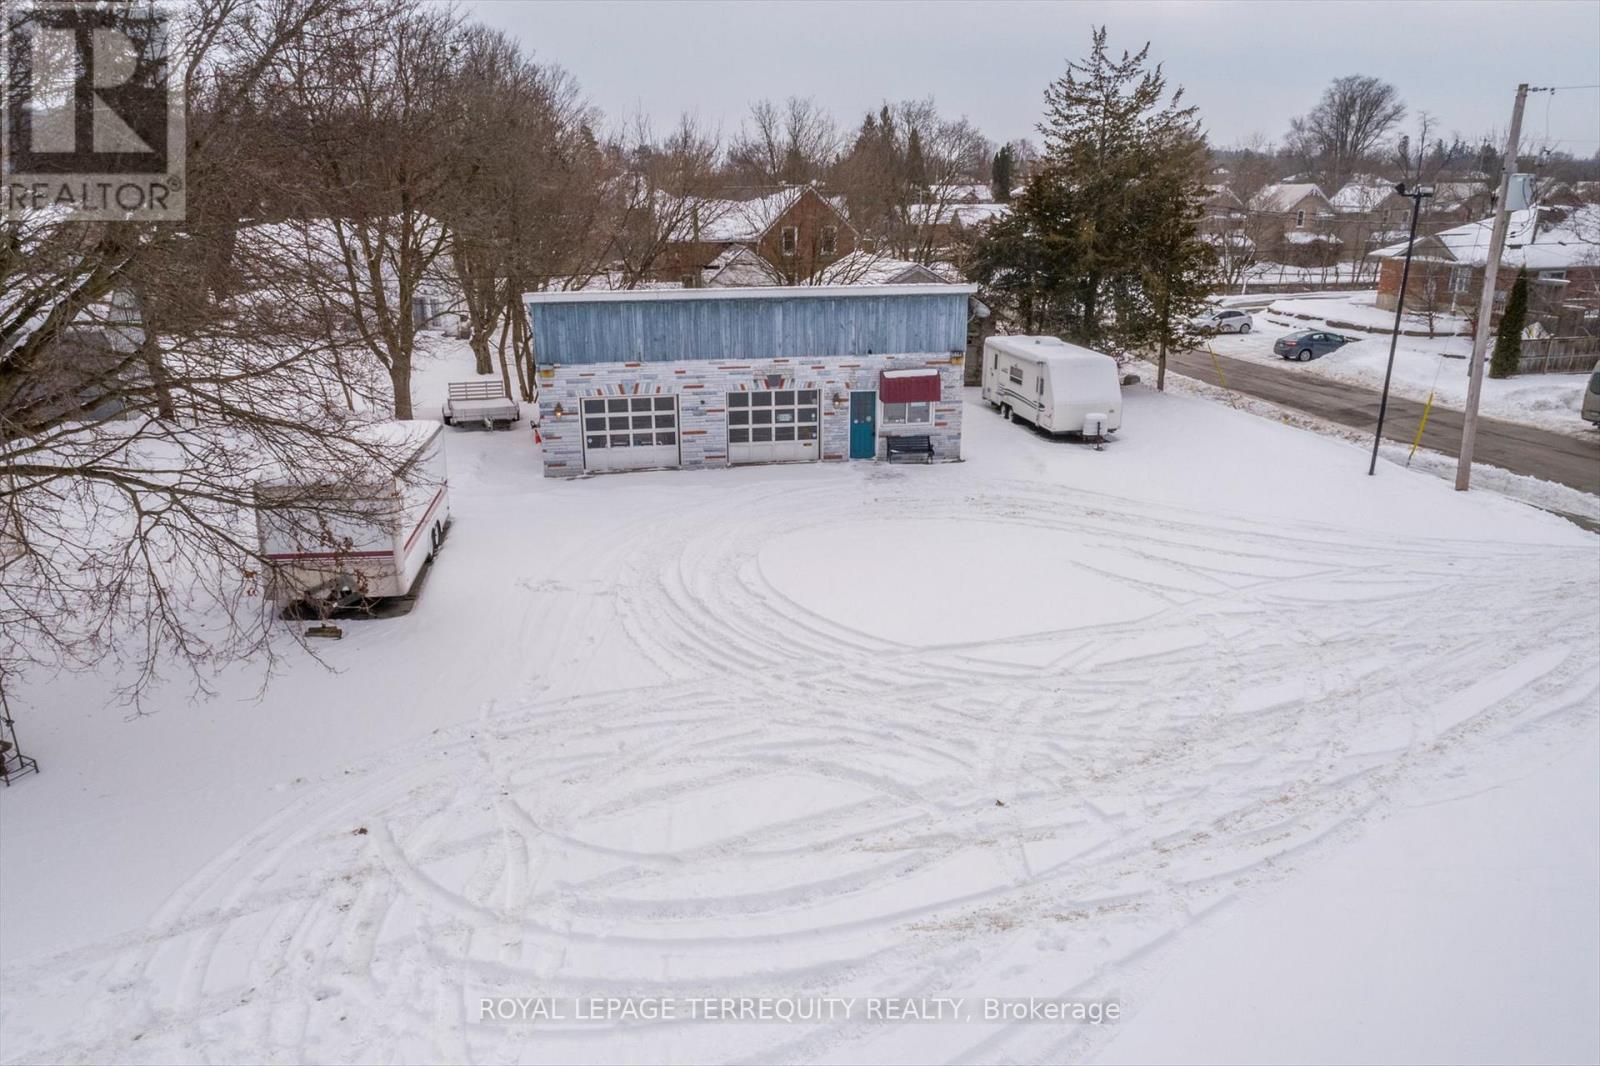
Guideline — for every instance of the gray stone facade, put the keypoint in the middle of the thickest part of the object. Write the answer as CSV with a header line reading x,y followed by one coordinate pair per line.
x,y
701,387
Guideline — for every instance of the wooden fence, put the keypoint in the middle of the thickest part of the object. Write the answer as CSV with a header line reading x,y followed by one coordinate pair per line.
x,y
1559,355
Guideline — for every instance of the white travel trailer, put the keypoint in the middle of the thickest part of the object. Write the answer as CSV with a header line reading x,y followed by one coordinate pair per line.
x,y
1059,387
338,545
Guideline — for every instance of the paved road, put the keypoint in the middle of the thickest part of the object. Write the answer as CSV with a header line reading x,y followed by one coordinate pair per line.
x,y
1570,460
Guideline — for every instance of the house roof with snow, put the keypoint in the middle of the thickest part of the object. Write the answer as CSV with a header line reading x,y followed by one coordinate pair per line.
x,y
967,193
956,214
1359,197
1282,196
1451,193
744,221
1539,238
870,268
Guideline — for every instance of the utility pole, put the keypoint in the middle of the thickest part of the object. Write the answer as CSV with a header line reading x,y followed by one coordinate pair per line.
x,y
1491,268
1417,193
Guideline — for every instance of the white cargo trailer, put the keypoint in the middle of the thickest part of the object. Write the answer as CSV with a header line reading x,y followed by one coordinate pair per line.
x,y
1059,387
333,545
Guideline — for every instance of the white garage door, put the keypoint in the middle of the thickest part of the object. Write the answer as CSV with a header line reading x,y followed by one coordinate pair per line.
x,y
630,432
773,426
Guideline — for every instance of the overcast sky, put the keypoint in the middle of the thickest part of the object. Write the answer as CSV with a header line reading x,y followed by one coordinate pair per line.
x,y
1249,66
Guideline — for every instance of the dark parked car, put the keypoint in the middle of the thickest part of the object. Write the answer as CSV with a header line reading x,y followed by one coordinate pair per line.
x,y
1306,344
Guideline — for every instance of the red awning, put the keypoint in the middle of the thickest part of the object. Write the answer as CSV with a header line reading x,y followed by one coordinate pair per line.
x,y
908,386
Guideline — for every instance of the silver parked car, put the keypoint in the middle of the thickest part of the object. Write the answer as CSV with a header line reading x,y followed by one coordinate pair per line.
x,y
1224,320
1591,398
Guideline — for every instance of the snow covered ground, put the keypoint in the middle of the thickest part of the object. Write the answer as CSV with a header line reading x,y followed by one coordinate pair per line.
x,y
1288,762
1550,401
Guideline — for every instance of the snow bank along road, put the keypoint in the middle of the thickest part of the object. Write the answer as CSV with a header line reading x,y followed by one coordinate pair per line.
x,y
1569,460
1015,727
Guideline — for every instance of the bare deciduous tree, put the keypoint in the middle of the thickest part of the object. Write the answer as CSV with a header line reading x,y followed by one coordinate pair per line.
x,y
1348,124
150,376
371,153
787,144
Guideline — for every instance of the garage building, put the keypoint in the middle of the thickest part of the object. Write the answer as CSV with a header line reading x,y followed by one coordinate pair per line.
x,y
690,378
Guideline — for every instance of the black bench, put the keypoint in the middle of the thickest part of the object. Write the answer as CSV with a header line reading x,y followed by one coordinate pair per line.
x,y
915,445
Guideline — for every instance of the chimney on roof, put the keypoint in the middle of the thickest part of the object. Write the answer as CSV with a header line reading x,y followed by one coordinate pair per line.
x,y
694,222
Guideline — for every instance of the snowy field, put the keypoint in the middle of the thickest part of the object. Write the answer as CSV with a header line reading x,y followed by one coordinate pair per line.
x,y
1288,762
1422,364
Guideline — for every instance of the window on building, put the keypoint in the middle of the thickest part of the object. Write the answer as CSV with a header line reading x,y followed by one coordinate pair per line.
x,y
907,414
830,240
1460,280
774,415
1553,275
790,239
630,422
1299,219
688,281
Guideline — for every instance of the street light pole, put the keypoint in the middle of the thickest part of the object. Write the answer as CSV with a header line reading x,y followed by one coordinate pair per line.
x,y
1417,194
1491,267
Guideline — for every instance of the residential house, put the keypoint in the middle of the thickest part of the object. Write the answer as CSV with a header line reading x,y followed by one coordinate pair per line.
x,y
796,231
1295,223
1296,205
1457,202
695,378
941,225
1559,247
1224,212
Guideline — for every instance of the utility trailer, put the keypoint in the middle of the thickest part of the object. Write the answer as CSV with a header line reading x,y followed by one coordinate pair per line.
x,y
333,546
1056,386
480,401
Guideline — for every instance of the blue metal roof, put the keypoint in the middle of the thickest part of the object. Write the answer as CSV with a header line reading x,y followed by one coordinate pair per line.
x,y
665,325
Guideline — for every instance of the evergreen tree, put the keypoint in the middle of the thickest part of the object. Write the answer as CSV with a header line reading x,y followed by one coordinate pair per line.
x,y
1103,245
1508,339
1002,171
916,168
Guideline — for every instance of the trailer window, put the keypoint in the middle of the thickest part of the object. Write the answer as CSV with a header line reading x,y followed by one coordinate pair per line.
x,y
1016,374
1040,385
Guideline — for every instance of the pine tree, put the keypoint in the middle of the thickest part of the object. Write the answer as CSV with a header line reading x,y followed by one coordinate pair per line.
x,y
1508,339
1001,174
1103,245
916,168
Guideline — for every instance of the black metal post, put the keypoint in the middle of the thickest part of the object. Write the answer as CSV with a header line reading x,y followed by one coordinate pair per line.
x,y
1399,305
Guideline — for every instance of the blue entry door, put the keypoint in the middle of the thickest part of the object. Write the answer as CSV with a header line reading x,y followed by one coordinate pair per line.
x,y
863,425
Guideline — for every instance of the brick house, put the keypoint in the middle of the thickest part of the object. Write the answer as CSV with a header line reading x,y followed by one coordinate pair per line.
x,y
1559,247
797,232
695,378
